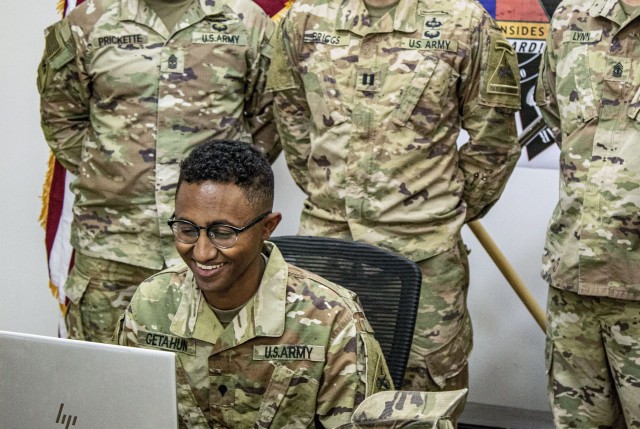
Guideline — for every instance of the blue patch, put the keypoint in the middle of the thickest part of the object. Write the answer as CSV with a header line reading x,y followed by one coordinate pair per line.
x,y
490,5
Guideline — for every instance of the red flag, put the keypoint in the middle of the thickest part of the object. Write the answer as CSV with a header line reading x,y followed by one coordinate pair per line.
x,y
57,199
56,217
271,7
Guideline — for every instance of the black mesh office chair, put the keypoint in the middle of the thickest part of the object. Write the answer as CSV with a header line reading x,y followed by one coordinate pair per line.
x,y
387,284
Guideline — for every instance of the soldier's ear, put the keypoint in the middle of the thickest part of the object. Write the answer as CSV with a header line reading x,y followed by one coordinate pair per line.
x,y
270,224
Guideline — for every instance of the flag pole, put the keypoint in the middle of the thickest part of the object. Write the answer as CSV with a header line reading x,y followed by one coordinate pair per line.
x,y
509,273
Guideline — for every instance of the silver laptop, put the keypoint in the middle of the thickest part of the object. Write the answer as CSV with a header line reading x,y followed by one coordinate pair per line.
x,y
55,383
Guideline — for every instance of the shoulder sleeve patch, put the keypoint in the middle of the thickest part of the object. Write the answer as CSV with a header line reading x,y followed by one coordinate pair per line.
x,y
58,45
501,80
377,374
279,76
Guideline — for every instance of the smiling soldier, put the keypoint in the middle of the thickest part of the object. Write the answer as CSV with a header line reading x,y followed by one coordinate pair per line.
x,y
258,342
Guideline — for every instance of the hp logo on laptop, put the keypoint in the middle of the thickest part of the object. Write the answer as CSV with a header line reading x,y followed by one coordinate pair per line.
x,y
65,419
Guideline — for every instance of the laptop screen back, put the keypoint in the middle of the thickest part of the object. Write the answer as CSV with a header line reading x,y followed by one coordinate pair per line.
x,y
56,383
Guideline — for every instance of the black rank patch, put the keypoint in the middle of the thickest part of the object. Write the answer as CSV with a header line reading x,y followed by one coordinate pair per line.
x,y
618,69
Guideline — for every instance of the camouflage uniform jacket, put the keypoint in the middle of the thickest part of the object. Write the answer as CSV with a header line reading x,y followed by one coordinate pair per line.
x,y
300,348
123,100
589,89
369,115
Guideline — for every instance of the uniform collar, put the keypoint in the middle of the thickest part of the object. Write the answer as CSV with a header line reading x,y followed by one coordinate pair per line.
x,y
612,11
353,15
212,7
140,12
262,316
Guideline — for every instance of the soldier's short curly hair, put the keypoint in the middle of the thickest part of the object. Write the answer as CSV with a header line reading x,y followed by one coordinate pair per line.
x,y
228,161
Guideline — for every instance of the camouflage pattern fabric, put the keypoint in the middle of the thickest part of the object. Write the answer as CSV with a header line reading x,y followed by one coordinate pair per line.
x,y
442,340
123,100
369,115
300,349
99,291
589,92
443,336
593,361
395,410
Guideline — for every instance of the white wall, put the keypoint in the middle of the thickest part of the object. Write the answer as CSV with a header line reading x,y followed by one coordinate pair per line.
x,y
25,302
507,362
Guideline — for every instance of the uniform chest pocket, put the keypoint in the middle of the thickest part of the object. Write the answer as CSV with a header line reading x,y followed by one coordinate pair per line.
x,y
289,390
421,104
575,93
326,100
282,402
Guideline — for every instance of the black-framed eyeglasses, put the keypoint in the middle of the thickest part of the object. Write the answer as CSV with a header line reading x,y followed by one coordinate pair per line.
x,y
221,235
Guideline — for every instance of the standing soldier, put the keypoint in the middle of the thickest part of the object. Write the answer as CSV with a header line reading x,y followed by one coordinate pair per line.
x,y
370,98
127,88
589,92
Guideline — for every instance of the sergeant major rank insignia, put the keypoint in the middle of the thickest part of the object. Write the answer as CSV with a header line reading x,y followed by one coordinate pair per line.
x,y
617,70
172,61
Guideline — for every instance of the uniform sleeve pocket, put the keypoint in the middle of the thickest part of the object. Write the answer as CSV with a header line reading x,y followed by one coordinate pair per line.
x,y
58,52
75,286
375,366
58,49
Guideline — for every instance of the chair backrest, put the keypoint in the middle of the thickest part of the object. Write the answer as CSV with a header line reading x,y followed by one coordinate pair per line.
x,y
387,284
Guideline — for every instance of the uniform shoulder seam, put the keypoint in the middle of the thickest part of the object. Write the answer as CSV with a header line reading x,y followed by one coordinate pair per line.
x,y
344,294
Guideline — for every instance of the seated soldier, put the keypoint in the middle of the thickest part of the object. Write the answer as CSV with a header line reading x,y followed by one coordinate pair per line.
x,y
259,343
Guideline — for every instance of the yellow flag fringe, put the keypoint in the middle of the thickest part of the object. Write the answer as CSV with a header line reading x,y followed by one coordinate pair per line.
x,y
278,16
56,294
60,6
46,191
44,214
